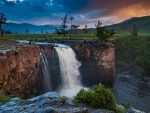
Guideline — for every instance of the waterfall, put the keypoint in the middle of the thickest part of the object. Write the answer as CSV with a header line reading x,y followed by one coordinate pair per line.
x,y
70,74
45,69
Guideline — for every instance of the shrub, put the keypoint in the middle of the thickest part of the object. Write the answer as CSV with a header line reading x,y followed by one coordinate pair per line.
x,y
132,50
100,97
126,106
121,64
4,98
63,98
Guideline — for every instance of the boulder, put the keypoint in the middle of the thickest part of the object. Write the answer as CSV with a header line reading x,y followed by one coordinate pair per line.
x,y
132,110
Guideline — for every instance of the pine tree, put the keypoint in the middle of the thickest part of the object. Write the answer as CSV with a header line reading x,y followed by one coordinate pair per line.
x,y
134,31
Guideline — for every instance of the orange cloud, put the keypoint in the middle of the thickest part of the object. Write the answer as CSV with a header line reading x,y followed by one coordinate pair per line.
x,y
132,11
122,9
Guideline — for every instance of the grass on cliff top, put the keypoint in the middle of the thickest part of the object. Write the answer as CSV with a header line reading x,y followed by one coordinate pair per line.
x,y
53,36
4,42
4,98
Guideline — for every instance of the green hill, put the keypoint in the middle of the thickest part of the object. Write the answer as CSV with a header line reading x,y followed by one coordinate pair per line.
x,y
125,27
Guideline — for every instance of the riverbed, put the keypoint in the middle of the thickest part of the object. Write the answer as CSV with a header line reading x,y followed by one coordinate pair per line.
x,y
132,89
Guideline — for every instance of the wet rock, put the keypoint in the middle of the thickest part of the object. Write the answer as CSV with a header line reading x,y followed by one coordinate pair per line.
x,y
49,95
120,107
15,99
102,111
49,102
132,110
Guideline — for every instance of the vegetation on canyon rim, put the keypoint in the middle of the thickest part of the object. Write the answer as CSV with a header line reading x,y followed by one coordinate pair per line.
x,y
133,50
99,97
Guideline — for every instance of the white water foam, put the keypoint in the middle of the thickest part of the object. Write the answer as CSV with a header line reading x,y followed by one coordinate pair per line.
x,y
70,74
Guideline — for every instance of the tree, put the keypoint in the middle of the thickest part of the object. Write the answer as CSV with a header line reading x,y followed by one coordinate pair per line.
x,y
42,31
27,31
134,31
71,18
72,26
62,29
102,33
7,32
85,29
2,21
46,32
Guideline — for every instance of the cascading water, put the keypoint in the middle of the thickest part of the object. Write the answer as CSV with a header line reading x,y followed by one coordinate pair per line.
x,y
70,74
45,69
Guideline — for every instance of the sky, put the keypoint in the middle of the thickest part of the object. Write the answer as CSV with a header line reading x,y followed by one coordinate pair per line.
x,y
85,12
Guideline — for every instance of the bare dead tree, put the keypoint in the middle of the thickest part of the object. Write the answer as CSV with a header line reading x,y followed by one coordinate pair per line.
x,y
27,31
62,30
2,21
71,18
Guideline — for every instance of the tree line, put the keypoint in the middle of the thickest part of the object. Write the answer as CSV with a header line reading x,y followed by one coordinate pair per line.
x,y
101,32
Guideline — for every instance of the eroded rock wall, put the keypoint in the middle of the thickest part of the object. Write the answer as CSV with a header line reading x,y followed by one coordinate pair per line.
x,y
98,63
19,69
53,67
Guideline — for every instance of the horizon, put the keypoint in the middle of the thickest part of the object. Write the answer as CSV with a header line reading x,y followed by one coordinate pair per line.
x,y
86,12
77,28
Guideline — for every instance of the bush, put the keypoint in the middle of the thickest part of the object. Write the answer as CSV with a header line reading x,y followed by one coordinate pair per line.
x,y
132,50
4,98
100,97
121,64
126,106
63,98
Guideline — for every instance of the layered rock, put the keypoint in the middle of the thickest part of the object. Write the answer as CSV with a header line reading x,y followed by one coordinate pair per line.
x,y
19,68
54,68
98,63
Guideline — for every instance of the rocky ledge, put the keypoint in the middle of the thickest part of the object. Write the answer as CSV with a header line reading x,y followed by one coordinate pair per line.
x,y
50,102
19,65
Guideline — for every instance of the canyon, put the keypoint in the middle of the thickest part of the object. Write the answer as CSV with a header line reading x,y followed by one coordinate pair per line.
x,y
21,68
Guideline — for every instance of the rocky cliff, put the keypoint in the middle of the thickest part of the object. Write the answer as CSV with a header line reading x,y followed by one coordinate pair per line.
x,y
53,65
21,71
19,67
98,63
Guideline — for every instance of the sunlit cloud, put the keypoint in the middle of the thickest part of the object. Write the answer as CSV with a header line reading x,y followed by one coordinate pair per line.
x,y
88,12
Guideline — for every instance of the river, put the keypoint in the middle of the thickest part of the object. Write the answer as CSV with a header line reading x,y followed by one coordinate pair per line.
x,y
132,89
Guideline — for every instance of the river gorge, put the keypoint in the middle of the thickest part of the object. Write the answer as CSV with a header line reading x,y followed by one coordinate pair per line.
x,y
36,69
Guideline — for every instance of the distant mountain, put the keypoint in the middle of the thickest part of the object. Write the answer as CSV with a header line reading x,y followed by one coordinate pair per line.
x,y
142,24
125,27
20,28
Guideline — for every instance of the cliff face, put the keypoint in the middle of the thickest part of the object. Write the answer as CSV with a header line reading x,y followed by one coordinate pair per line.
x,y
98,63
53,67
19,69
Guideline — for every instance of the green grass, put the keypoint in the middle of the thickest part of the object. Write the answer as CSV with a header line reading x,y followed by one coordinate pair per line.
x,y
47,36
4,98
55,36
4,42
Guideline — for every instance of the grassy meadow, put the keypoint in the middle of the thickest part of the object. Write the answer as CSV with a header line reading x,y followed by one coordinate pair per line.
x,y
55,36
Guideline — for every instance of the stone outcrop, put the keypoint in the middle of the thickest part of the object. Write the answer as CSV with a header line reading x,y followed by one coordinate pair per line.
x,y
49,102
98,63
19,68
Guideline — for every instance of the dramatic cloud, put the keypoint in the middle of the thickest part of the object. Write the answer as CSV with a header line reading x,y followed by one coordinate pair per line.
x,y
85,11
